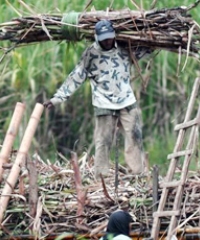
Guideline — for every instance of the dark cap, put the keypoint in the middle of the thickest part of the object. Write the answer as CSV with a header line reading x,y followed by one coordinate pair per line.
x,y
104,30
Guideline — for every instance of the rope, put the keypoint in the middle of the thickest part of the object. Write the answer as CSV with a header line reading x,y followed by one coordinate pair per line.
x,y
70,28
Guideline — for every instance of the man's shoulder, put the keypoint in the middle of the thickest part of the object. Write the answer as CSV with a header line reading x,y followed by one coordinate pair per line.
x,y
91,46
123,50
91,49
121,237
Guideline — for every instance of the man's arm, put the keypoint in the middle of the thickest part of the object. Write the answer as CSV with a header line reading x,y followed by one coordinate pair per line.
x,y
71,84
142,52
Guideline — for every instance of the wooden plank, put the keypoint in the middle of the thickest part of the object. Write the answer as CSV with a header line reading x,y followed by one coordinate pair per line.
x,y
192,100
180,154
167,213
187,124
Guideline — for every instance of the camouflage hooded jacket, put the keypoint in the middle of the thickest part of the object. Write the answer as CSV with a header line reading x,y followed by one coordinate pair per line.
x,y
109,76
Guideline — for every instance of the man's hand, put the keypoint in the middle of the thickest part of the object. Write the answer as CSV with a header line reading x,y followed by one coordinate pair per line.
x,y
48,104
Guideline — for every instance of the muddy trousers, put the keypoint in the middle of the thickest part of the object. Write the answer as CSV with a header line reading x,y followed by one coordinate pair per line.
x,y
129,122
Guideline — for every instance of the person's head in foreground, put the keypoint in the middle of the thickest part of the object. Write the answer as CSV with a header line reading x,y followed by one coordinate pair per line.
x,y
118,227
105,34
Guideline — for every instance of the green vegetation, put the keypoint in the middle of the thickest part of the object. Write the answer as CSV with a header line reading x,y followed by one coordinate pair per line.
x,y
33,73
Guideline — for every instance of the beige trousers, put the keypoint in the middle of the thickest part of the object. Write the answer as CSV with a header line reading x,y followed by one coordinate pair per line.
x,y
130,123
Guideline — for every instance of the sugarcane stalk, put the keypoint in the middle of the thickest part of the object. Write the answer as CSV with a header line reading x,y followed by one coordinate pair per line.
x,y
20,159
164,26
10,135
81,193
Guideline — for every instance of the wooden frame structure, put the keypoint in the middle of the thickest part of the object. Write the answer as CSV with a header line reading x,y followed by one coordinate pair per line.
x,y
191,125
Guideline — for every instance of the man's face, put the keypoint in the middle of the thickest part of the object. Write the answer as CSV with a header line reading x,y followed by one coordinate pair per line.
x,y
107,44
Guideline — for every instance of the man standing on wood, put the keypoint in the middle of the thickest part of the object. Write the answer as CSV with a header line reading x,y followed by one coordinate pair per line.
x,y
107,66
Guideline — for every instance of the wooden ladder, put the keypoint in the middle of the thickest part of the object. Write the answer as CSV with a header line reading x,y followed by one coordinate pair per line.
x,y
193,127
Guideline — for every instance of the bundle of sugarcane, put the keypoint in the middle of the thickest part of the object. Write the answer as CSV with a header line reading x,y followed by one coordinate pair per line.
x,y
170,29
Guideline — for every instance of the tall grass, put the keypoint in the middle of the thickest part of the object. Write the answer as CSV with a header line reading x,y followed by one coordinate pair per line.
x,y
32,74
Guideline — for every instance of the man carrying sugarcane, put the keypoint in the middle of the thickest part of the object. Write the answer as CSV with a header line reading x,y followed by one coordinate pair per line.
x,y
107,66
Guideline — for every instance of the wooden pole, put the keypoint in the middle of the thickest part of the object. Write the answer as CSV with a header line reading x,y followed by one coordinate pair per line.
x,y
33,189
155,187
21,157
10,135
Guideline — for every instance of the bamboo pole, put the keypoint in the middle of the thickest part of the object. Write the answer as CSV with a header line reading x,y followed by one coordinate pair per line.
x,y
21,156
10,135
